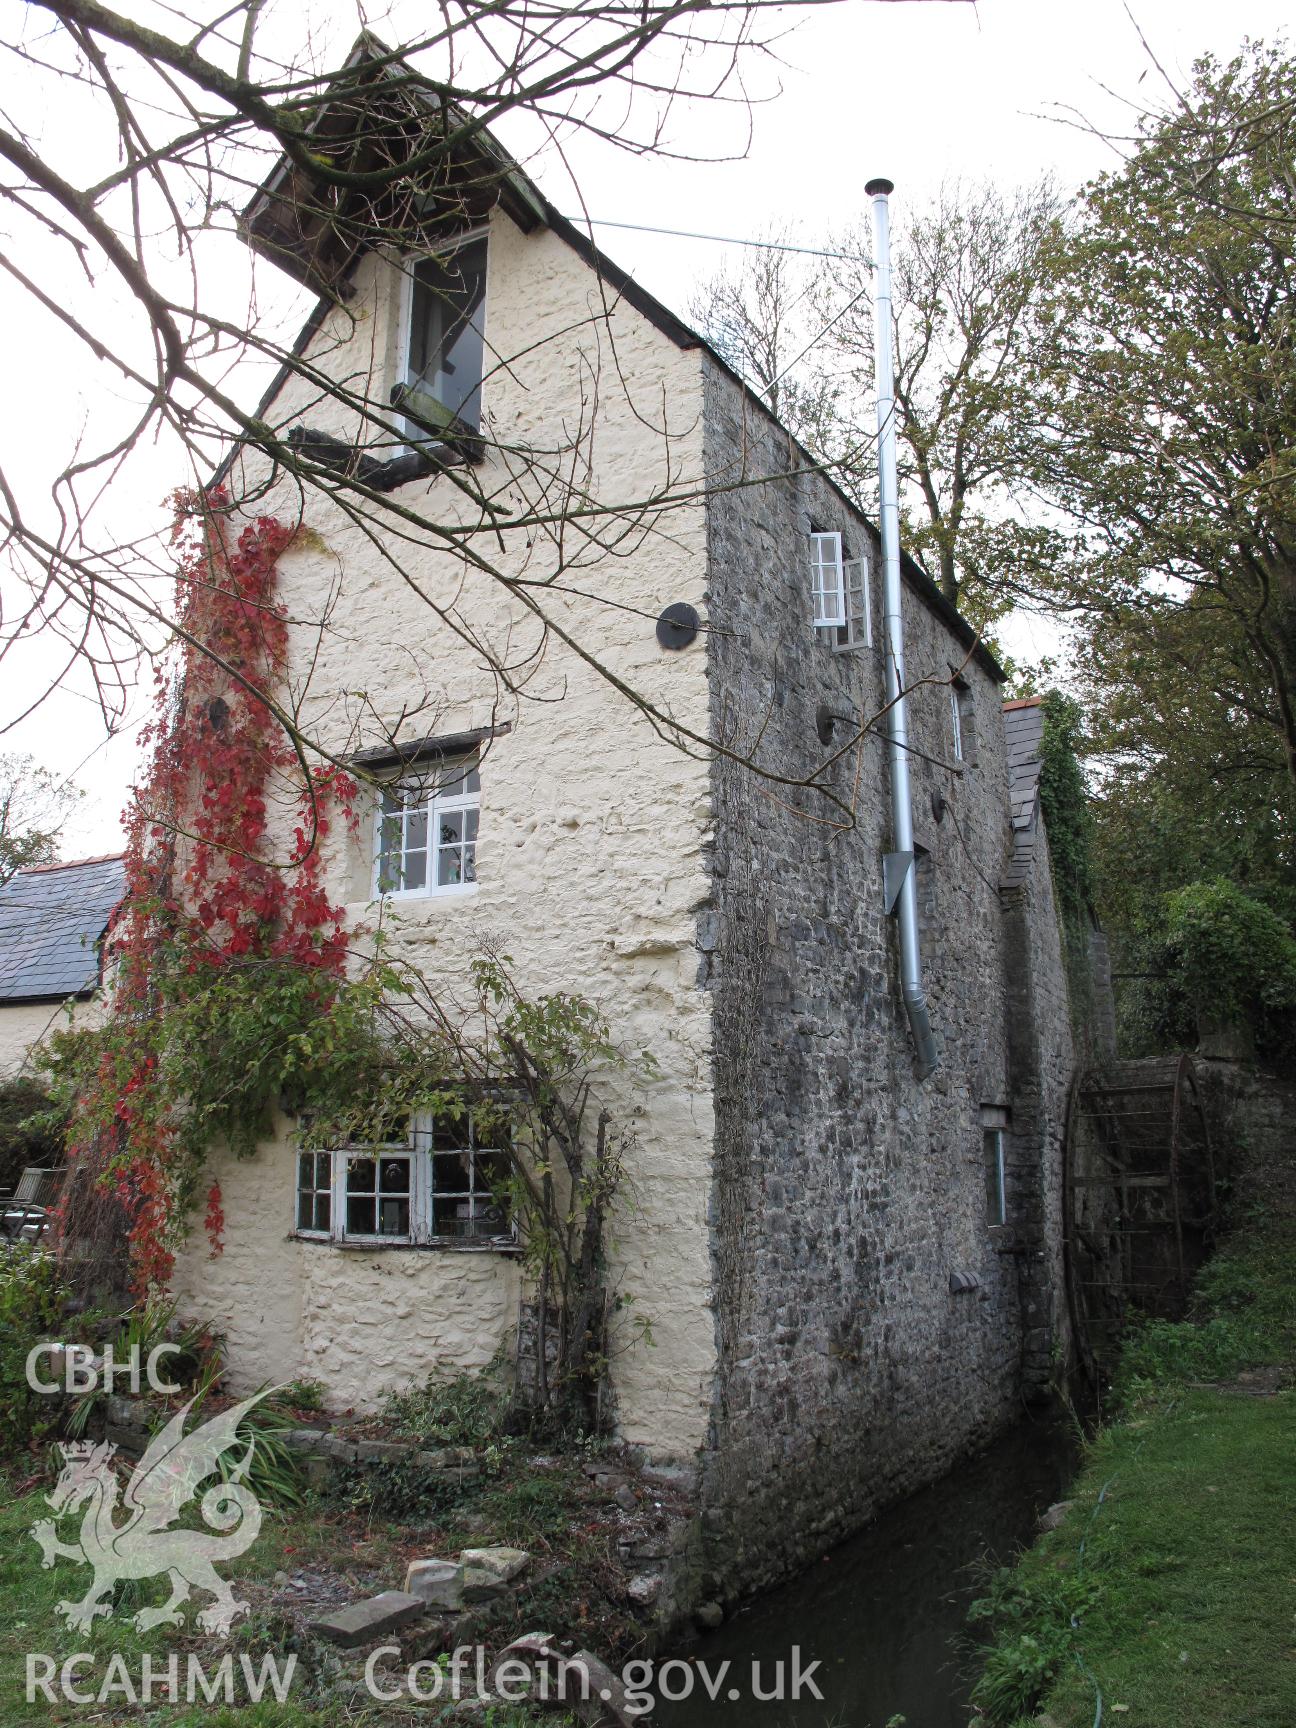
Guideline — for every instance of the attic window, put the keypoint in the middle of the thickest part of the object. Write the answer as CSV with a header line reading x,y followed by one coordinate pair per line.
x,y
840,593
441,381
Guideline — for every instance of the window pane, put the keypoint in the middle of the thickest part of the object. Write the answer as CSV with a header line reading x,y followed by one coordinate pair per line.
x,y
323,1212
451,1174
470,824
360,1217
414,874
305,1211
449,868
393,1175
470,864
323,1170
361,1175
393,1216
450,827
305,1170
416,830
446,329
992,1143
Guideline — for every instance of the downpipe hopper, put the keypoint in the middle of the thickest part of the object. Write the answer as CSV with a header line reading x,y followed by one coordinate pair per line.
x,y
898,875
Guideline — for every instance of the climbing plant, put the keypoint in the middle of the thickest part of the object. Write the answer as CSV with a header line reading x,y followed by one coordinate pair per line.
x,y
226,943
234,993
1068,820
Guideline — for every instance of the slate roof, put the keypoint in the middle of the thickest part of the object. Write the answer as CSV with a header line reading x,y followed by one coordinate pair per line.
x,y
51,920
1024,732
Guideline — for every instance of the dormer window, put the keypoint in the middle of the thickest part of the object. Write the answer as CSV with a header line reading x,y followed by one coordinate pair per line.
x,y
440,389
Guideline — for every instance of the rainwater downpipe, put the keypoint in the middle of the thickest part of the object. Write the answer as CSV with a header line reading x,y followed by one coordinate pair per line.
x,y
898,872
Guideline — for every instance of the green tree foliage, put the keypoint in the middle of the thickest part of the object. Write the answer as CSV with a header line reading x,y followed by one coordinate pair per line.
x,y
33,807
967,279
965,293
1065,803
1167,402
30,1132
1214,957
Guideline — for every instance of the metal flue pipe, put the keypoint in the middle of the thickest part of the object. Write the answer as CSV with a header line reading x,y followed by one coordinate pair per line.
x,y
901,862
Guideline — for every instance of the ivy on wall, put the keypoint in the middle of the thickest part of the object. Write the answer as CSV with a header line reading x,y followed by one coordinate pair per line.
x,y
234,991
226,944
1064,804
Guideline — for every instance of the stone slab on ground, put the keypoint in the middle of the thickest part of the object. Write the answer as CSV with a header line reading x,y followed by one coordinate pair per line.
x,y
383,1451
606,1698
502,1564
439,1583
362,1622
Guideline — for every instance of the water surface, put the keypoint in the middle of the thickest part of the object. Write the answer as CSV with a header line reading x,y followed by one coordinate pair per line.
x,y
885,1613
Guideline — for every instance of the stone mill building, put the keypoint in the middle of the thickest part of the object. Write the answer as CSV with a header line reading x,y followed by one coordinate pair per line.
x,y
849,1266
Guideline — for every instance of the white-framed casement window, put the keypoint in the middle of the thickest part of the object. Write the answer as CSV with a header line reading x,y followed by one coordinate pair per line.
x,y
445,1184
994,1133
827,581
962,726
839,591
443,312
426,841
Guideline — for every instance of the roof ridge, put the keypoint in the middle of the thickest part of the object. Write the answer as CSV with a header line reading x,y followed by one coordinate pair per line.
x,y
1023,702
71,864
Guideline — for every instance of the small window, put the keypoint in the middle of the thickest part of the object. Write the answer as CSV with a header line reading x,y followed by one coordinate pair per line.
x,y
827,580
469,1175
378,1195
844,581
994,1127
857,631
427,830
962,721
441,1181
315,1193
445,342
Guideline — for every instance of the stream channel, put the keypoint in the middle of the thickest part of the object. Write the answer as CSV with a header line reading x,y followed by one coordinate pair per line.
x,y
885,1614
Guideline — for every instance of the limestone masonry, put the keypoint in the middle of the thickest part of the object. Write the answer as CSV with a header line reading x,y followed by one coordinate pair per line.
x,y
837,1311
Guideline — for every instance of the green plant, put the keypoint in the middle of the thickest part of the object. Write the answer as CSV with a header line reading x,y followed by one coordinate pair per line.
x,y
275,1474
1214,954
1068,821
305,1394
192,1358
32,1305
451,1410
31,1131
1033,1621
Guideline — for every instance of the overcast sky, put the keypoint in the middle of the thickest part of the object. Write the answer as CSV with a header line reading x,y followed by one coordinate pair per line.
x,y
918,90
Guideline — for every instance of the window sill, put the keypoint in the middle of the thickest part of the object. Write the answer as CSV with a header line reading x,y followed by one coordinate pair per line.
x,y
455,891
385,1245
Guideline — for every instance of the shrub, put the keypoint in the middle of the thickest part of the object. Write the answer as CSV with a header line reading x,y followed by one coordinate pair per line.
x,y
29,1131
32,1297
1215,954
451,1410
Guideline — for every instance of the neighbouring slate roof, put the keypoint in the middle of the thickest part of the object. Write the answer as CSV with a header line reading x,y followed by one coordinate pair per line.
x,y
1024,732
51,920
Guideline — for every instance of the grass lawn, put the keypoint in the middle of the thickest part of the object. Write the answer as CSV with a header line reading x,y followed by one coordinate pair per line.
x,y
1177,1561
